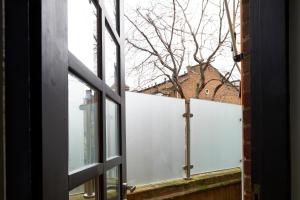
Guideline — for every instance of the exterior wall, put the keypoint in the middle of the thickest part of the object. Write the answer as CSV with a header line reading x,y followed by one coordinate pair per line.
x,y
226,94
221,185
245,41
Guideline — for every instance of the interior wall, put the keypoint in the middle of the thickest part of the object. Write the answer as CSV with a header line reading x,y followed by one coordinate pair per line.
x,y
1,102
294,59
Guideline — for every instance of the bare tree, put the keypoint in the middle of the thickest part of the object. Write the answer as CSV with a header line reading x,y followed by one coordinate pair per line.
x,y
164,34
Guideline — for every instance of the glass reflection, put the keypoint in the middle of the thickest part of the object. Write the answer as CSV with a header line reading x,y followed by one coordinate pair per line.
x,y
111,63
112,129
111,8
113,183
82,32
83,128
84,191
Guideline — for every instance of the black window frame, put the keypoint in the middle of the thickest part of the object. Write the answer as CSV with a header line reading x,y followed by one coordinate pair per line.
x,y
38,63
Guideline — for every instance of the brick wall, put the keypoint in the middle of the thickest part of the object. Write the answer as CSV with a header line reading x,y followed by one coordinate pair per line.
x,y
245,41
226,94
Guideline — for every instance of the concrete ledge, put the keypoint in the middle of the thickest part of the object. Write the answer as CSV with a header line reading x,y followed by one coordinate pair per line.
x,y
185,189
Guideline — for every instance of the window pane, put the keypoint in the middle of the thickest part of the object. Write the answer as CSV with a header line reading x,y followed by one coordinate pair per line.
x,y
113,183
112,129
84,191
83,128
111,8
82,32
111,64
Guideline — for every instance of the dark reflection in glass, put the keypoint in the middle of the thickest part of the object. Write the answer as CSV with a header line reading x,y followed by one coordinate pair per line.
x,y
113,183
112,129
82,32
111,62
83,128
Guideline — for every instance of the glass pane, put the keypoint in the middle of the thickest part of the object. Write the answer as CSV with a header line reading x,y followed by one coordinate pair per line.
x,y
111,64
84,191
111,8
82,32
113,183
83,128
112,129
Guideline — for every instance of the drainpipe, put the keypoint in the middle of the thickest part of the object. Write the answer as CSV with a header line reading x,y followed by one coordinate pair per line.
x,y
187,115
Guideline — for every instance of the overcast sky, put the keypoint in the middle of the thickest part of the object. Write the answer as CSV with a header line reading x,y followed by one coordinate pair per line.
x,y
223,63
83,23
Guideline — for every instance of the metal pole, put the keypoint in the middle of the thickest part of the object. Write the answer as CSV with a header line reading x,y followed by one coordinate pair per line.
x,y
232,34
89,187
187,116
233,16
230,28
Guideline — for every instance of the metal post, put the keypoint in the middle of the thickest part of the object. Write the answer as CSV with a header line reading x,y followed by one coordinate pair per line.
x,y
233,16
236,57
187,115
231,28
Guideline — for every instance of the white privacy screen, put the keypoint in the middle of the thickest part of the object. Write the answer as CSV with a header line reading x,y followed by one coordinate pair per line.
x,y
155,134
216,136
155,138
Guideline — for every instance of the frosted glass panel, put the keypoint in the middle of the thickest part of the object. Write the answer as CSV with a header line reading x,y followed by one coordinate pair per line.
x,y
111,63
112,129
113,183
82,32
216,136
83,128
84,191
155,138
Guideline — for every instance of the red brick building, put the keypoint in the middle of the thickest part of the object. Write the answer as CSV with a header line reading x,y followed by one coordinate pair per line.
x,y
227,93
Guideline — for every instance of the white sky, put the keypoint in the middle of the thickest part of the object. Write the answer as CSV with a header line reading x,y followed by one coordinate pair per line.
x,y
82,26
223,63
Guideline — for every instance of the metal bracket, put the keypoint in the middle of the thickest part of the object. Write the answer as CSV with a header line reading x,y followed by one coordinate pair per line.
x,y
187,115
128,187
238,57
185,167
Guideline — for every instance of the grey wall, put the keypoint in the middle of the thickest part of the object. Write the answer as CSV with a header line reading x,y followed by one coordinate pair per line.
x,y
294,57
